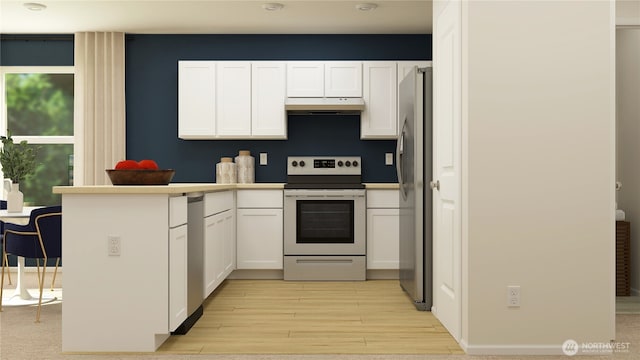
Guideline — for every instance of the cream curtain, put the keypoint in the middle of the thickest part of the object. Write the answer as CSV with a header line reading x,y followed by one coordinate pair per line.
x,y
99,105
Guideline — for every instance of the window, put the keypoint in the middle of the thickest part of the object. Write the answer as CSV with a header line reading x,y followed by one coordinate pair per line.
x,y
37,104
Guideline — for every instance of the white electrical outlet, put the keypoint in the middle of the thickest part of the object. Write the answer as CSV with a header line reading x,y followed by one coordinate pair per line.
x,y
114,245
513,296
263,158
388,158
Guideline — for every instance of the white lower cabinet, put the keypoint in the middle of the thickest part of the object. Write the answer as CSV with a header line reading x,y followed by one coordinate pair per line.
x,y
177,261
383,226
260,229
260,239
177,276
219,239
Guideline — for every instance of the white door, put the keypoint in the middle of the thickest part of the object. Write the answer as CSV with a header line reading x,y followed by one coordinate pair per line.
x,y
177,276
233,99
305,79
446,171
196,99
379,92
343,79
268,93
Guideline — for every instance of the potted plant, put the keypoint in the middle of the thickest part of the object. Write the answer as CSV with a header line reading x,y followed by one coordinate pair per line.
x,y
18,161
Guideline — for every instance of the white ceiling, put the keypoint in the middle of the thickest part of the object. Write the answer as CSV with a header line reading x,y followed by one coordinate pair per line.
x,y
217,17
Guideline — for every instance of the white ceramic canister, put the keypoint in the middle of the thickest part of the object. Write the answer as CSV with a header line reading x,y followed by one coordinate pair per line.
x,y
246,167
226,171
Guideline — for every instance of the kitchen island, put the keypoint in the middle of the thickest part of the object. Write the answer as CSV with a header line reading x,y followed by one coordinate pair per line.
x,y
124,251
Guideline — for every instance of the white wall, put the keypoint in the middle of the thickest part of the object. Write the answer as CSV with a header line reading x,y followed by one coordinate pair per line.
x,y
538,116
627,12
628,140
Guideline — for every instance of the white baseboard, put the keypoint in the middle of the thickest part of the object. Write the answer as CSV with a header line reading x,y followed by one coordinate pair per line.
x,y
391,274
511,349
383,274
256,275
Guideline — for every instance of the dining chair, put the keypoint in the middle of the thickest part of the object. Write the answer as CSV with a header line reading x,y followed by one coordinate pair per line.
x,y
5,259
41,238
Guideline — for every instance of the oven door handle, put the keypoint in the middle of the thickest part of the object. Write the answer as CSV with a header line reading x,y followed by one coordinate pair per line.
x,y
343,196
304,196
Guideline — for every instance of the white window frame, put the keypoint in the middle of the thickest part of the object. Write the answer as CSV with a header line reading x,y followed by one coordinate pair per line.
x,y
35,139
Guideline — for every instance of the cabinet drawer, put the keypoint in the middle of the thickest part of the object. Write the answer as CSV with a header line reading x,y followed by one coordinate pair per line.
x,y
217,202
382,198
259,198
177,211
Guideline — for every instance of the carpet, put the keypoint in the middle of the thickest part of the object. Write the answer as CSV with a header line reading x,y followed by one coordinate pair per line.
x,y
628,305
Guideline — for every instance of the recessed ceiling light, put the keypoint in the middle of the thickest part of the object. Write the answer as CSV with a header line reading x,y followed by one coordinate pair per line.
x,y
35,6
272,6
366,6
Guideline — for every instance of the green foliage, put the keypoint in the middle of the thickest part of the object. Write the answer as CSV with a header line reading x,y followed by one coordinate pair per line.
x,y
42,105
17,160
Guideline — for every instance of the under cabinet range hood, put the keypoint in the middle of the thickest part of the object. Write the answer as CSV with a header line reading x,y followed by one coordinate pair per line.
x,y
324,105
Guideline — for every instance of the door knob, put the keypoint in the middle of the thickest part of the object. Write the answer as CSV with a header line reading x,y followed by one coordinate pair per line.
x,y
435,185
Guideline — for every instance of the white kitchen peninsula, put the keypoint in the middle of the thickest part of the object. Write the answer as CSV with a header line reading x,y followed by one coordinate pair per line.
x,y
119,271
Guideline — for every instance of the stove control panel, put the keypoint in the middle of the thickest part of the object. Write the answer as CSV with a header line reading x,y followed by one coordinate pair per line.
x,y
324,165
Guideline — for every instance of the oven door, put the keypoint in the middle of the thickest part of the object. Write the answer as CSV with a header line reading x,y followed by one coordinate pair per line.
x,y
324,222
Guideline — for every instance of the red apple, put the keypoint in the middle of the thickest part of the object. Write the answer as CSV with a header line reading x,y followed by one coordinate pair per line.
x,y
127,165
148,164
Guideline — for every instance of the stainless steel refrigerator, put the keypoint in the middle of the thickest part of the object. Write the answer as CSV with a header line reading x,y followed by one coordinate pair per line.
x,y
413,166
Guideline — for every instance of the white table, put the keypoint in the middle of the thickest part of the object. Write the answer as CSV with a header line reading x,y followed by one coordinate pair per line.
x,y
21,295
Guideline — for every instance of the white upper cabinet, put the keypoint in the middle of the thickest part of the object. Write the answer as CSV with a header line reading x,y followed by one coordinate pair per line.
x,y
343,79
196,99
324,79
233,99
379,118
305,79
268,94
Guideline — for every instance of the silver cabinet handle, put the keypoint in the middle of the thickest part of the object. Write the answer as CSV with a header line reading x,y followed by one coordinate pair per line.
x,y
434,185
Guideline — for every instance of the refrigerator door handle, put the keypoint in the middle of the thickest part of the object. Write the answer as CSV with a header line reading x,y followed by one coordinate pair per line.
x,y
400,160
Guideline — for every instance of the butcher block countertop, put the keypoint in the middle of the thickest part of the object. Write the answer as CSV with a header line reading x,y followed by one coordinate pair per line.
x,y
174,188
180,188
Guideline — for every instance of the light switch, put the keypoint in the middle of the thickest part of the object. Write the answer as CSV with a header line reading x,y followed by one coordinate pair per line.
x,y
388,159
263,158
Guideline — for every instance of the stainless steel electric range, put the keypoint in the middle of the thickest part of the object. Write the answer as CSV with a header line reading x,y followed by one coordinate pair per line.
x,y
324,219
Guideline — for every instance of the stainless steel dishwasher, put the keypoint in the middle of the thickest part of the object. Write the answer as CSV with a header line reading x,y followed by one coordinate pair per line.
x,y
195,261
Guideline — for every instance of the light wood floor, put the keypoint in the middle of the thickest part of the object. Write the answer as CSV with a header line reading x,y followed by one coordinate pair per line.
x,y
283,317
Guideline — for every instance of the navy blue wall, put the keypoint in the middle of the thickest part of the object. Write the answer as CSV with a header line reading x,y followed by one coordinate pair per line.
x,y
36,50
151,86
151,96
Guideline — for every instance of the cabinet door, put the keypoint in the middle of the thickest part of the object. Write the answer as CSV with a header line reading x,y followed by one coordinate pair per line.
x,y
260,239
233,101
343,79
177,276
383,239
196,99
229,243
214,236
305,79
268,93
379,118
